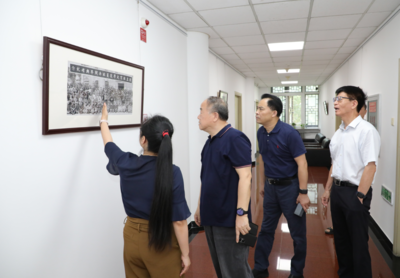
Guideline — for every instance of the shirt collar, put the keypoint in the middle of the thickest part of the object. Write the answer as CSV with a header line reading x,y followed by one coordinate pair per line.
x,y
353,124
222,131
276,128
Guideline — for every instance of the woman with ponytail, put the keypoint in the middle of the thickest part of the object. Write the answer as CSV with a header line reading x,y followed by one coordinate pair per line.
x,y
156,242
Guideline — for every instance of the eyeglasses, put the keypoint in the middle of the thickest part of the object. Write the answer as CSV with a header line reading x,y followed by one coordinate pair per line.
x,y
340,98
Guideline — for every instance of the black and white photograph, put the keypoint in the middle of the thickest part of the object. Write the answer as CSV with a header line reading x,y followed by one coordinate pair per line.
x,y
89,87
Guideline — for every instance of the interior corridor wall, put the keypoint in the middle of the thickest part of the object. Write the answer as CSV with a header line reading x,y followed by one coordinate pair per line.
x,y
61,213
374,68
223,77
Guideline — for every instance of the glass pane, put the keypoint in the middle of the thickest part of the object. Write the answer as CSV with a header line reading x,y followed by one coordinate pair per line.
x,y
313,88
312,110
278,89
297,110
283,115
295,89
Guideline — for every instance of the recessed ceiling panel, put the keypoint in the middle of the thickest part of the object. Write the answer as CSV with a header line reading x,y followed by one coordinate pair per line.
x,y
292,53
237,30
254,55
347,50
282,10
384,6
323,44
171,6
373,19
328,35
317,57
360,33
287,37
216,43
227,16
322,51
334,22
188,20
245,40
286,59
214,4
223,50
339,7
250,48
353,42
284,26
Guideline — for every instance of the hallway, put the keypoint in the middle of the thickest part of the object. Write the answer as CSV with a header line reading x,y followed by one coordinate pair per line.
x,y
321,258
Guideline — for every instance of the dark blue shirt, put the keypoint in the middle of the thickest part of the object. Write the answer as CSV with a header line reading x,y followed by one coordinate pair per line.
x,y
137,175
279,148
221,156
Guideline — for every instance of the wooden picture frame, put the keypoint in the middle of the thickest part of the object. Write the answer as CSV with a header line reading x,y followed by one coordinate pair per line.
x,y
223,95
76,83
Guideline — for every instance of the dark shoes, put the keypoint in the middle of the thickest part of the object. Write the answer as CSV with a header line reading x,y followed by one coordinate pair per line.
x,y
260,274
295,276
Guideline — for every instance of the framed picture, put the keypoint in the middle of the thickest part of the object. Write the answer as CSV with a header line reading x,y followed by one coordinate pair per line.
x,y
325,104
76,83
223,95
373,111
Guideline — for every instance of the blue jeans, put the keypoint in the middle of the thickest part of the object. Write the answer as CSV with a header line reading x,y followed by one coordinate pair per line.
x,y
280,199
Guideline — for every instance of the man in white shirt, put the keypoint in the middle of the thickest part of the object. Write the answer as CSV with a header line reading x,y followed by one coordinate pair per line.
x,y
354,151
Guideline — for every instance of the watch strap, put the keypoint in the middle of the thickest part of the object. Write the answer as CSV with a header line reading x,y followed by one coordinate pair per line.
x,y
360,195
303,191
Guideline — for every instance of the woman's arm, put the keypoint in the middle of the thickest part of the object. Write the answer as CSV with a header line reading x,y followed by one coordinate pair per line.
x,y
105,131
182,235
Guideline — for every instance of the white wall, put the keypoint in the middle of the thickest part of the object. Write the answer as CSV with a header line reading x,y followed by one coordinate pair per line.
x,y
375,69
61,213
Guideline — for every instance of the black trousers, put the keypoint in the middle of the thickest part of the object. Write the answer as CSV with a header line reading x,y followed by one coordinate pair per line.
x,y
350,225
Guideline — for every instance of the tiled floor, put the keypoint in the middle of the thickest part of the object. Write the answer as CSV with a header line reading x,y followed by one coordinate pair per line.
x,y
321,258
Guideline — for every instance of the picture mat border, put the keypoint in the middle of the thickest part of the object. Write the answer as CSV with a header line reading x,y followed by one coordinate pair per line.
x,y
46,85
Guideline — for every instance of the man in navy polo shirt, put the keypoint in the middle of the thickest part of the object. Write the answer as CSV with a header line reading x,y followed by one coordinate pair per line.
x,y
285,167
223,207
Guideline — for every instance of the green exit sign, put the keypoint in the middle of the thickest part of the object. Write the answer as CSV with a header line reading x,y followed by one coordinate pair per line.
x,y
386,194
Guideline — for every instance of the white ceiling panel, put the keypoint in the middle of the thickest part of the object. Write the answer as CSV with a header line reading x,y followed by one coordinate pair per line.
x,y
334,22
250,48
323,51
284,26
353,42
171,6
206,30
317,57
291,53
255,2
263,66
282,10
318,62
242,68
223,50
254,55
285,65
245,40
236,63
250,61
286,59
227,16
323,44
359,33
373,19
304,68
287,37
328,35
215,4
341,56
347,50
216,43
384,6
230,56
339,7
188,20
237,30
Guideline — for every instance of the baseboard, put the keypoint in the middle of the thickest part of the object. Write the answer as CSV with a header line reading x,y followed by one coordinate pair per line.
x,y
380,235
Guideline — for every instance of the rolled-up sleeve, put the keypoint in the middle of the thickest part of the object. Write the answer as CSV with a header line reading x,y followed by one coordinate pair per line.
x,y
113,153
180,209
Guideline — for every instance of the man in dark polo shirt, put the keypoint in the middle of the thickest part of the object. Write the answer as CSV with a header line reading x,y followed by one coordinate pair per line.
x,y
223,207
285,167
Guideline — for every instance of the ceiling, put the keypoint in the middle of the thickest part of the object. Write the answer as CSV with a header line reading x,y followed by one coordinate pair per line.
x,y
241,29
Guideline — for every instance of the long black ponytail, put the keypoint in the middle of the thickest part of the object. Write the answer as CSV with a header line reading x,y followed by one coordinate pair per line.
x,y
158,131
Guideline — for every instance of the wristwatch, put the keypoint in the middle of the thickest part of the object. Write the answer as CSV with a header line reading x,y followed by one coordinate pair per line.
x,y
360,195
241,212
303,191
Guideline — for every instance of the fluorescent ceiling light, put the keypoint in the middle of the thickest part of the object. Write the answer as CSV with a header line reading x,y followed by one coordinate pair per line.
x,y
284,46
289,71
290,82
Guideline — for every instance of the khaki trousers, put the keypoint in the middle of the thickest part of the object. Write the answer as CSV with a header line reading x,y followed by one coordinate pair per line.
x,y
142,262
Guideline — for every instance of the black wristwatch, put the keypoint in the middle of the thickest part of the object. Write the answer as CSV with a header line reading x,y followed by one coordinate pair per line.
x,y
303,191
360,195
241,212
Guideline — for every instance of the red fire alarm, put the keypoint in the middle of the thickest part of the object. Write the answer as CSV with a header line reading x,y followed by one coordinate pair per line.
x,y
144,22
143,36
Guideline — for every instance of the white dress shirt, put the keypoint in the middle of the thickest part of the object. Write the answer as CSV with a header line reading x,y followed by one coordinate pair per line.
x,y
353,148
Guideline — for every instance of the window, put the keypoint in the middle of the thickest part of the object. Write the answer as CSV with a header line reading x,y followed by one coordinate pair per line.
x,y
311,110
283,115
295,110
295,89
312,88
278,89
